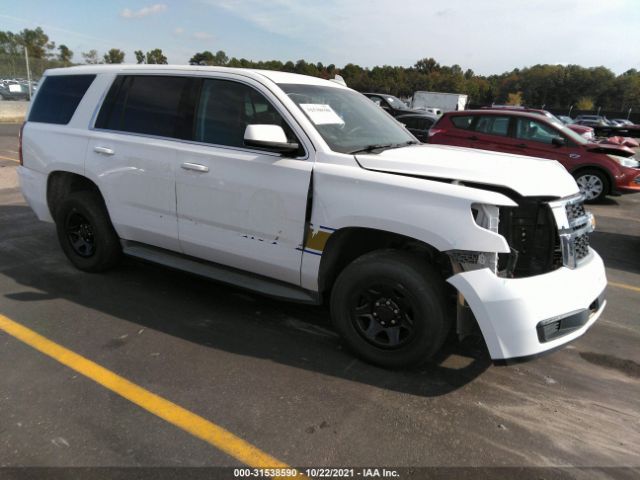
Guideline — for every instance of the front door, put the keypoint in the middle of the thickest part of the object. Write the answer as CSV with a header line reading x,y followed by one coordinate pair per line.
x,y
240,206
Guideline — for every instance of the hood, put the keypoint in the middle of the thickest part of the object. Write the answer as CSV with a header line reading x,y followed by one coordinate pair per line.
x,y
611,149
529,177
579,128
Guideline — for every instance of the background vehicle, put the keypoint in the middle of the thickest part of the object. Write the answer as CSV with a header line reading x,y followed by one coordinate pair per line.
x,y
14,91
418,124
565,119
599,169
446,102
624,122
303,189
591,120
390,104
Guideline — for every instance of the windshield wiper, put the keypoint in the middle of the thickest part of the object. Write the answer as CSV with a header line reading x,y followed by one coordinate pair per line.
x,y
382,147
371,148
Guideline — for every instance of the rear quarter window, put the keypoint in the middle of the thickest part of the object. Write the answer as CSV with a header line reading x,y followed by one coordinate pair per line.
x,y
58,98
462,121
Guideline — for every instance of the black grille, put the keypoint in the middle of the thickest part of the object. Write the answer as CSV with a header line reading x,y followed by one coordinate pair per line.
x,y
531,232
581,244
574,211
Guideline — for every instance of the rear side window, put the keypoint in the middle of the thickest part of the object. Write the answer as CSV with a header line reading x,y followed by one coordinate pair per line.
x,y
151,105
58,98
493,125
463,122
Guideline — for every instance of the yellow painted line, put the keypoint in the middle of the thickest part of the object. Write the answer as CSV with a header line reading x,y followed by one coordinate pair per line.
x,y
625,286
9,158
182,418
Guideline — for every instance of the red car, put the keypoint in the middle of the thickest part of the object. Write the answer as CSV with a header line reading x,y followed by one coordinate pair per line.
x,y
599,169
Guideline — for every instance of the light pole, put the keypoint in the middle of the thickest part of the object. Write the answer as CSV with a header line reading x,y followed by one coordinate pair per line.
x,y
26,59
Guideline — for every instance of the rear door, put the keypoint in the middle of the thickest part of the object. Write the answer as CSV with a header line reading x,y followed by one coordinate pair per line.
x,y
132,154
240,206
485,132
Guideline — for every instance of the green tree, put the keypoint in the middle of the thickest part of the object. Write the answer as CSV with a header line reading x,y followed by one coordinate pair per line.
x,y
427,65
115,55
65,55
36,41
220,58
10,44
140,58
90,57
156,56
202,58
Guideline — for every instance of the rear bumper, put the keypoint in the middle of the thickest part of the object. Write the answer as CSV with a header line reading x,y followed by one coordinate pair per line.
x,y
525,317
34,189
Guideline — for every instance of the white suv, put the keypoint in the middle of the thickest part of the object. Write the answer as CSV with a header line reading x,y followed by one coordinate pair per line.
x,y
303,189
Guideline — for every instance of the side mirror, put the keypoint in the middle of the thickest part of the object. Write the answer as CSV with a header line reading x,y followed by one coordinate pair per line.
x,y
268,137
558,141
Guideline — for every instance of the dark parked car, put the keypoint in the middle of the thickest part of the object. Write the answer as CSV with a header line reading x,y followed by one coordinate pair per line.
x,y
418,124
599,169
13,92
392,105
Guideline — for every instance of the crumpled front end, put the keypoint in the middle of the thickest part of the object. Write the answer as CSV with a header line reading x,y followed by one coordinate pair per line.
x,y
548,291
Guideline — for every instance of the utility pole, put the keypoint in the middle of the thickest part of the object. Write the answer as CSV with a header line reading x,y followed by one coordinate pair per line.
x,y
26,59
628,114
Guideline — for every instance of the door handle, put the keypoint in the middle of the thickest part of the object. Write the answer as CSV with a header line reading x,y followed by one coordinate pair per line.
x,y
196,167
104,150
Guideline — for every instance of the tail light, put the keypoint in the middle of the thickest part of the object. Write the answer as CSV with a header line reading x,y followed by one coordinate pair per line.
x,y
435,131
20,159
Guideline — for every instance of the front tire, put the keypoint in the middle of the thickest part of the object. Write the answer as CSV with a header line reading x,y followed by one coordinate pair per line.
x,y
593,184
86,234
389,307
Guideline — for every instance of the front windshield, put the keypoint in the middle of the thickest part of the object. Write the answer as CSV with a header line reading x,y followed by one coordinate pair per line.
x,y
347,120
396,102
577,138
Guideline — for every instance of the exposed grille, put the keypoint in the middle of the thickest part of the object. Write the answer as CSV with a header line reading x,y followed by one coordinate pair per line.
x,y
581,245
575,211
574,227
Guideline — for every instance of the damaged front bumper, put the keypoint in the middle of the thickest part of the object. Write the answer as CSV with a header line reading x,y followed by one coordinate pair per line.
x,y
523,317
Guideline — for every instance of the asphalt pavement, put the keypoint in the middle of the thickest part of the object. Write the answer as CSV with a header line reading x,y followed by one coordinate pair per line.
x,y
274,374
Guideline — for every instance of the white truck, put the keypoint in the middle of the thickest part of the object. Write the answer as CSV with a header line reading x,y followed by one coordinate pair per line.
x,y
446,102
303,189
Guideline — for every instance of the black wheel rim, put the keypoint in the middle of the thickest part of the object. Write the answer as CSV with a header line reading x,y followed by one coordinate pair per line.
x,y
383,314
80,234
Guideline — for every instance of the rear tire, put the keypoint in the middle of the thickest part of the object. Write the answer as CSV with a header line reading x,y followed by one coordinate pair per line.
x,y
593,184
86,234
389,307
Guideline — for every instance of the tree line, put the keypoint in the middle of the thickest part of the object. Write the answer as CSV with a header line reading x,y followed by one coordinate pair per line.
x,y
548,86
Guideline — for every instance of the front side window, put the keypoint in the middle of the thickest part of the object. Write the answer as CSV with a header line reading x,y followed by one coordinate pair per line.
x,y
493,125
227,107
528,129
59,97
150,104
346,120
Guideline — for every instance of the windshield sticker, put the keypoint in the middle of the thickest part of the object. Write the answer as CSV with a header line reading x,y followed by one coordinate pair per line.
x,y
321,114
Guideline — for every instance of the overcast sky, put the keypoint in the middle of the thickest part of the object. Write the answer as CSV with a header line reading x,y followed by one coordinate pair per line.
x,y
488,36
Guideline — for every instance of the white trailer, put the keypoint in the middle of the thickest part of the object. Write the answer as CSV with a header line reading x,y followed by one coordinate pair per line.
x,y
447,102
